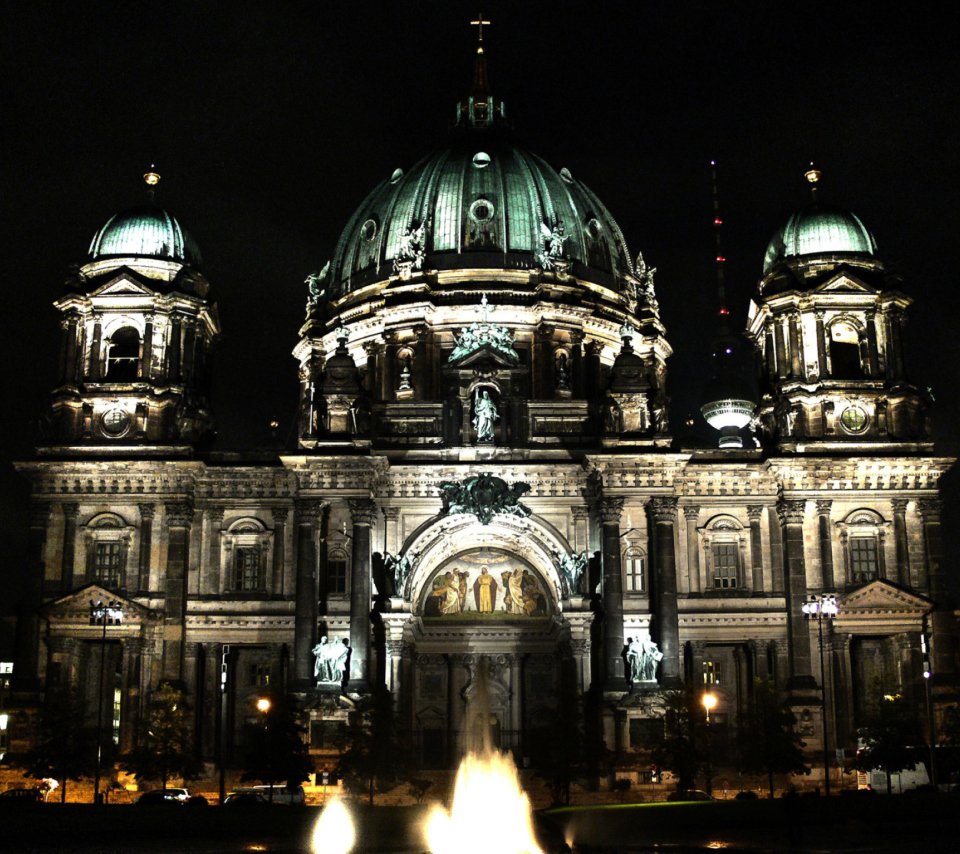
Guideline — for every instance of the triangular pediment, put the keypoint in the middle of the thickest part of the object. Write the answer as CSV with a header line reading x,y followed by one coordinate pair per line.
x,y
485,354
881,596
844,283
126,284
74,608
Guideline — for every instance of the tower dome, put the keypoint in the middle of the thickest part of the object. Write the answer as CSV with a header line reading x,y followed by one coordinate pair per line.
x,y
819,229
480,202
146,231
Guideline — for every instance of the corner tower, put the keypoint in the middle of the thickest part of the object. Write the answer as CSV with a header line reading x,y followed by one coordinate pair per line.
x,y
138,323
827,323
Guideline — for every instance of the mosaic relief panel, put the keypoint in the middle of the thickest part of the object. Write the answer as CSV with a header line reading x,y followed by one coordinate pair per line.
x,y
486,584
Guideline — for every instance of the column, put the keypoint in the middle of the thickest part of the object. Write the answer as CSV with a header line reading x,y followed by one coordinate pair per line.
x,y
755,514
840,665
179,516
388,384
279,549
610,510
821,347
545,355
214,545
826,544
594,349
691,513
173,353
372,349
364,514
70,350
581,538
95,344
942,641
576,363
698,652
421,376
761,657
770,353
872,344
391,521
69,546
781,347
796,352
894,351
776,556
189,342
308,514
147,514
146,357
663,512
130,693
798,634
456,682
900,537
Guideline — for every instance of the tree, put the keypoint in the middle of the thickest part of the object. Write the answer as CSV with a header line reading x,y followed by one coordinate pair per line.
x,y
375,755
768,741
164,743
679,747
66,746
560,749
275,751
889,737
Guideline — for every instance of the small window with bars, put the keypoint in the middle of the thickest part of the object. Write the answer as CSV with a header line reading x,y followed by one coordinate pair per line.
x,y
246,568
106,563
726,560
634,565
260,675
711,673
337,573
117,702
863,559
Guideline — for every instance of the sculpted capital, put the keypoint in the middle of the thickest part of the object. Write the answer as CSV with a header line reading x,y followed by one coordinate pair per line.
x,y
179,514
755,512
610,510
823,506
929,509
308,510
900,505
363,511
147,511
791,511
691,511
663,509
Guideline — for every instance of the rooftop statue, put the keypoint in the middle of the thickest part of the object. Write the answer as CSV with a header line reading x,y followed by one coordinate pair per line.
x,y
484,495
645,276
413,250
553,240
475,336
317,285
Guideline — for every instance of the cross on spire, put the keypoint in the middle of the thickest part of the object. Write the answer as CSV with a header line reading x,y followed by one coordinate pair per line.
x,y
479,25
483,309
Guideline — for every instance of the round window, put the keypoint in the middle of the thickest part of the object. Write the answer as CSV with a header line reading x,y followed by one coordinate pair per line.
x,y
481,159
594,229
368,231
115,421
853,419
482,211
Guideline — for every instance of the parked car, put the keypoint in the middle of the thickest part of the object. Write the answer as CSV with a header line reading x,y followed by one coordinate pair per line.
x,y
746,795
244,799
160,797
21,796
690,795
281,794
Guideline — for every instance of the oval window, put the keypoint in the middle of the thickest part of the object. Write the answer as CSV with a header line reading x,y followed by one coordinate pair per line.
x,y
482,211
481,159
594,229
396,176
854,419
368,231
565,174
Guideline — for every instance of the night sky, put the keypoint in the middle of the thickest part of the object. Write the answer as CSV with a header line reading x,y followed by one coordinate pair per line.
x,y
271,122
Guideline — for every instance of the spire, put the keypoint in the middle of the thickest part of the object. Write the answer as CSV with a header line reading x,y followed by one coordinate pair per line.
x,y
812,175
481,85
481,109
717,223
152,178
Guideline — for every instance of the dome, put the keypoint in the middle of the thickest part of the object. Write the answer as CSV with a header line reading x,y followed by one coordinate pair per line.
x,y
145,232
819,229
485,203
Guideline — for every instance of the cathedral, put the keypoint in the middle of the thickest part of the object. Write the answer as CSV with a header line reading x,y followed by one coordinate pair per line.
x,y
485,488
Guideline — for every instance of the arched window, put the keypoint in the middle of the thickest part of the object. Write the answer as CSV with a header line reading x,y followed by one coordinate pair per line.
x,y
724,542
108,541
246,547
634,569
123,355
862,533
337,563
845,351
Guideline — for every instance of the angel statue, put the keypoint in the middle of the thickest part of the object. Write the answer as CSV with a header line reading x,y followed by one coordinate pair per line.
x,y
553,240
573,567
399,566
317,285
645,277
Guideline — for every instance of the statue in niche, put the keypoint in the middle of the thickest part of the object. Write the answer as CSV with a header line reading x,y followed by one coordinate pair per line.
x,y
330,661
661,418
611,416
642,659
399,566
573,566
485,416
563,373
405,377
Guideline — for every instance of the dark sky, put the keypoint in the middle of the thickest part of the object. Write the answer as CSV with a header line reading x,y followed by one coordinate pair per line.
x,y
270,123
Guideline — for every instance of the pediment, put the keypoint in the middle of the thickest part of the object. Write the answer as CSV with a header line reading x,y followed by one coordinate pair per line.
x,y
126,284
74,608
883,597
485,354
844,283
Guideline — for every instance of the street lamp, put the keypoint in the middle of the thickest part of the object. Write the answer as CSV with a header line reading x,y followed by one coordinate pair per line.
x,y
709,701
110,614
824,606
263,706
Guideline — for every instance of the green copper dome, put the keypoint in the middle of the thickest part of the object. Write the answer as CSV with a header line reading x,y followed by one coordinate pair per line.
x,y
479,203
145,232
819,229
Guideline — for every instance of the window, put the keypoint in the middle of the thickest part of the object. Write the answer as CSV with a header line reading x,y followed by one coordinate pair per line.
x,y
123,355
117,698
845,357
634,564
107,558
711,673
864,564
726,557
337,573
246,565
260,675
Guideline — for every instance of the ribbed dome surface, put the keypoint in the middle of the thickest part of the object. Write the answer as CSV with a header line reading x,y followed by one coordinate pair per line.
x,y
145,232
819,229
486,203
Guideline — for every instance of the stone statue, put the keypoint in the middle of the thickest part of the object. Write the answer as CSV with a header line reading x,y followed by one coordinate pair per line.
x,y
399,566
563,373
484,495
643,658
645,277
660,415
553,240
413,250
330,661
485,416
573,566
317,285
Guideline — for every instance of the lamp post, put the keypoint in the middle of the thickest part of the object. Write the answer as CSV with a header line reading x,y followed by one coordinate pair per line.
x,y
709,701
824,606
263,706
110,614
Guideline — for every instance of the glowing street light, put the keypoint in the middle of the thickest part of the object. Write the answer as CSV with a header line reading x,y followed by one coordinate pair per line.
x,y
263,705
822,607
709,701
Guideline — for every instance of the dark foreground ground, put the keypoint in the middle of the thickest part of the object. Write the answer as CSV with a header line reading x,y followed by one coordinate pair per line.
x,y
926,824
